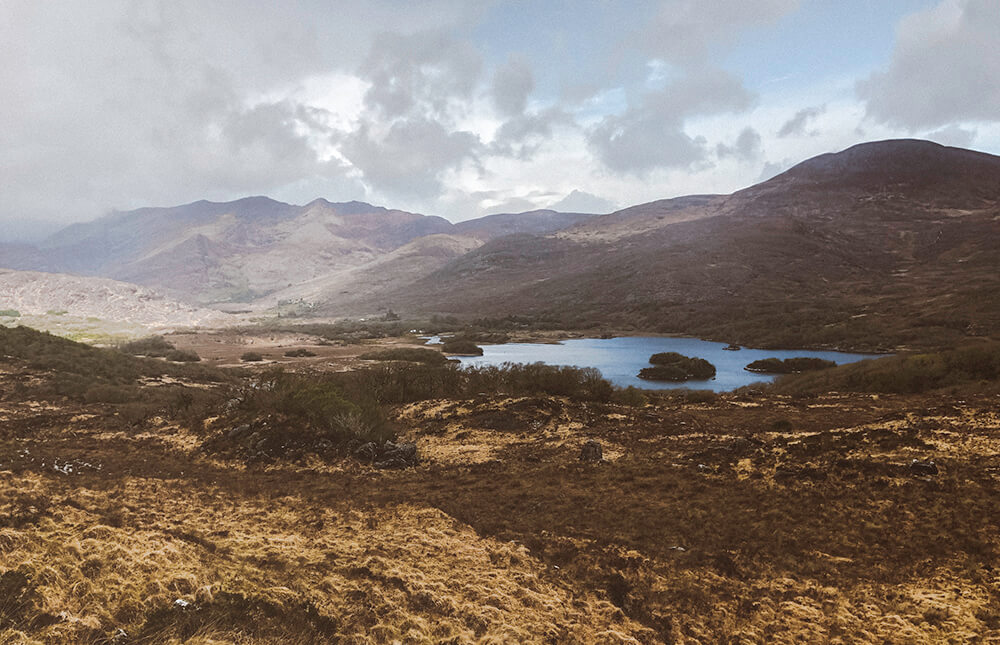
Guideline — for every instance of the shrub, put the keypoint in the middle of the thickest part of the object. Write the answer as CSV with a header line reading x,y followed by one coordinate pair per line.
x,y
299,353
789,365
182,356
282,414
10,313
150,346
252,357
409,354
631,396
671,366
461,346
700,396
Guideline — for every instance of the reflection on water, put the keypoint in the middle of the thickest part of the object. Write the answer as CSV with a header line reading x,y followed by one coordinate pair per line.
x,y
620,359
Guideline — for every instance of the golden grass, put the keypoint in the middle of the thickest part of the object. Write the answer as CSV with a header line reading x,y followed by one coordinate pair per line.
x,y
705,525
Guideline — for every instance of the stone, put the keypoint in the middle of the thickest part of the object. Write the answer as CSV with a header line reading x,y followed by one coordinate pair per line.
x,y
366,451
592,451
398,455
923,468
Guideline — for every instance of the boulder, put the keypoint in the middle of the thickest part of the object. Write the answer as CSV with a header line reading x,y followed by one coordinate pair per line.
x,y
398,455
923,468
592,451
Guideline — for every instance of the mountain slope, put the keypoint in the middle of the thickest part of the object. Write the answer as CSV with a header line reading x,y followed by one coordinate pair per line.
x,y
887,243
259,249
35,293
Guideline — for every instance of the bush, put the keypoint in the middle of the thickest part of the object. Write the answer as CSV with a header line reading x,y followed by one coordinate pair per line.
x,y
631,396
671,366
789,365
279,414
182,356
409,354
461,346
299,353
157,346
10,313
252,357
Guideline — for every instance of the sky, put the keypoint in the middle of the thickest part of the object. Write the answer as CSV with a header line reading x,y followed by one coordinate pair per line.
x,y
461,108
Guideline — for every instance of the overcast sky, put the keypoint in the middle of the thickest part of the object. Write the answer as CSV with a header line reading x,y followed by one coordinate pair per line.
x,y
464,107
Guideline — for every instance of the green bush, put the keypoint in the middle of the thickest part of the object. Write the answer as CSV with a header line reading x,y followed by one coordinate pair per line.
x,y
10,313
182,356
671,366
409,354
289,415
631,396
461,346
789,365
157,346
252,357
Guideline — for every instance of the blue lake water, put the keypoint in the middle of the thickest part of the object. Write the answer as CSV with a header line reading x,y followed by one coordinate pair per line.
x,y
620,359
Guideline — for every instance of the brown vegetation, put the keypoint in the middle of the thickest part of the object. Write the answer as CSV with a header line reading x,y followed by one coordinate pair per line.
x,y
752,517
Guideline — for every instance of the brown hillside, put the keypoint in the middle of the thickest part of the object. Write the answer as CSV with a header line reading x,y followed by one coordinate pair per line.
x,y
888,243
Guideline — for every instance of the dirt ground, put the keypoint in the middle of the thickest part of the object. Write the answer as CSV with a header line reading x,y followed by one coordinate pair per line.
x,y
747,519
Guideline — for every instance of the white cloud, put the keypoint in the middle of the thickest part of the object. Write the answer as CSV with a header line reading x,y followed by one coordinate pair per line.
x,y
945,68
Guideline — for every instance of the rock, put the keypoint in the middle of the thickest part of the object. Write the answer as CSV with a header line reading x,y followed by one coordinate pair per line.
x,y
398,455
592,451
366,452
923,468
239,431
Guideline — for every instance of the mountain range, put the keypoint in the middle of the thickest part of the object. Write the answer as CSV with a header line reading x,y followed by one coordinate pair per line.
x,y
885,244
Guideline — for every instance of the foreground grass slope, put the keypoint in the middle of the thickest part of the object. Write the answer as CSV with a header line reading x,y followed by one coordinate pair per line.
x,y
754,517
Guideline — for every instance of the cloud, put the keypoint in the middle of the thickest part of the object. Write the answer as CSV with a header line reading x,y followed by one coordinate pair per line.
x,y
419,73
512,84
684,32
796,126
651,134
747,146
579,201
409,159
944,68
521,136
118,104
952,135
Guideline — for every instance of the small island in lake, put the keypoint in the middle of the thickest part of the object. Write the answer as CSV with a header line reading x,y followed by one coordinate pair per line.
x,y
461,347
789,365
671,366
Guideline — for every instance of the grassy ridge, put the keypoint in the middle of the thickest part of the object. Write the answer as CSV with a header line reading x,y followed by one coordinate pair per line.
x,y
906,374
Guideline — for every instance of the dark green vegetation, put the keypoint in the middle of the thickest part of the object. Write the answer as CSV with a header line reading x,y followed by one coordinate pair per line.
x,y
409,354
278,414
903,374
251,357
182,356
299,353
83,373
461,346
789,365
671,366
150,346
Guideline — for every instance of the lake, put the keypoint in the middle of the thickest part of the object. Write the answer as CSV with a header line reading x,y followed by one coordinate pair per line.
x,y
620,359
